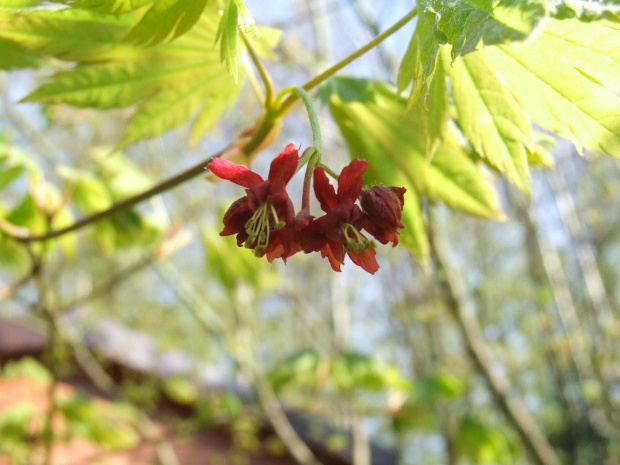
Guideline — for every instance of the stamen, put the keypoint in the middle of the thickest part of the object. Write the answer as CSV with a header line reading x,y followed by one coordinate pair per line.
x,y
259,227
279,223
355,241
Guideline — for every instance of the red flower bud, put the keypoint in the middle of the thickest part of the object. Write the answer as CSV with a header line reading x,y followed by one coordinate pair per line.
x,y
383,208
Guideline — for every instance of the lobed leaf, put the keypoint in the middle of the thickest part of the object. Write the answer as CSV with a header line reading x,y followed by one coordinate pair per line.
x,y
67,34
434,113
227,35
170,82
108,6
166,18
592,49
116,84
420,59
171,109
374,127
491,118
469,23
558,96
587,10
464,24
13,56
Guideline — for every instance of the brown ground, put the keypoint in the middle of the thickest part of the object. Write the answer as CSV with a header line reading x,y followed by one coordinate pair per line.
x,y
205,448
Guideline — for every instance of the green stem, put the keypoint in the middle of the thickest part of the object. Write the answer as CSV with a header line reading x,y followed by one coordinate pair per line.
x,y
314,158
315,81
305,194
329,171
264,75
317,140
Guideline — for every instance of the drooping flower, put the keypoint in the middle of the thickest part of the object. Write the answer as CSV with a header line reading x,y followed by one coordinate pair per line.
x,y
338,232
383,207
262,219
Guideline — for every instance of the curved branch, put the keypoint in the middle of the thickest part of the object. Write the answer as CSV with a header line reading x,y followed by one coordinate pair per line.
x,y
21,235
329,72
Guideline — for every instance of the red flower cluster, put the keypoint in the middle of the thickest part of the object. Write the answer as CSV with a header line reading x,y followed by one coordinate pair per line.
x,y
264,219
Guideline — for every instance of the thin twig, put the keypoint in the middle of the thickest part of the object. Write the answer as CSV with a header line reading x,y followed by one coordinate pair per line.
x,y
390,62
315,81
163,186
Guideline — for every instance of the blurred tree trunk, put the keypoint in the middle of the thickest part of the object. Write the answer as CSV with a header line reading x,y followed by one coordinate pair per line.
x,y
459,303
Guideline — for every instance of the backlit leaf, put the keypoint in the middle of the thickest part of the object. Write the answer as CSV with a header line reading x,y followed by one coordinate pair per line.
x,y
108,6
171,82
434,112
227,35
67,34
466,25
171,109
375,127
471,23
559,96
13,56
166,18
420,59
592,49
587,10
491,118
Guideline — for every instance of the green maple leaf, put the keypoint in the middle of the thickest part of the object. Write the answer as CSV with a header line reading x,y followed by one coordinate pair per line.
x,y
587,10
491,117
108,6
466,25
372,120
68,34
235,12
574,96
166,18
13,56
566,79
170,82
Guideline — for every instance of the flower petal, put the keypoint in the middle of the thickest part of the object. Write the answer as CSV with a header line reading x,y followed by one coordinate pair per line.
x,y
366,259
324,191
350,181
236,217
283,167
230,171
335,256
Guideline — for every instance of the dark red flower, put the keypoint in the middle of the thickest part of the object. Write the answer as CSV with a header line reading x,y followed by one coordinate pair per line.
x,y
338,232
383,207
263,218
